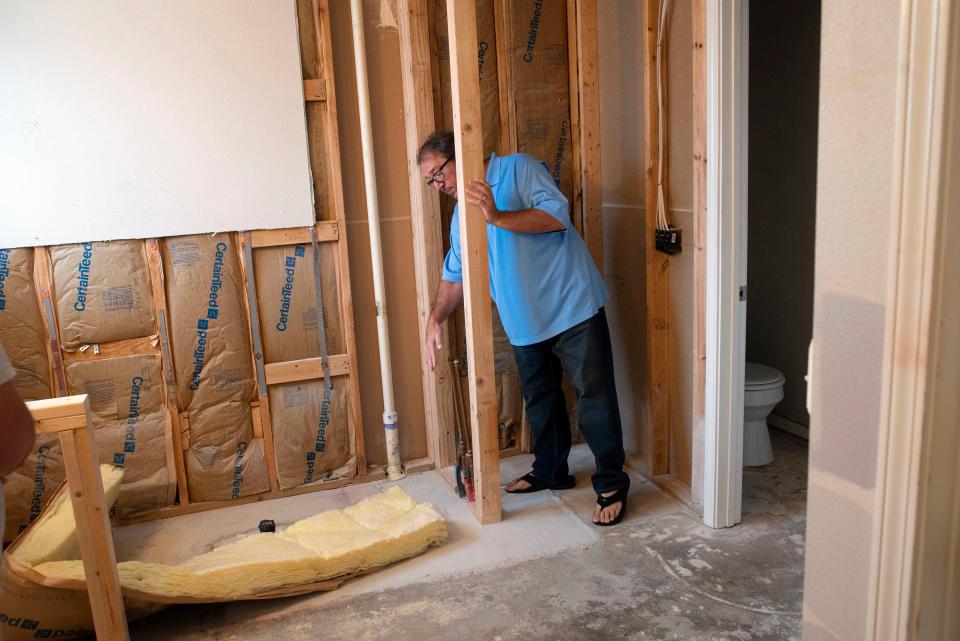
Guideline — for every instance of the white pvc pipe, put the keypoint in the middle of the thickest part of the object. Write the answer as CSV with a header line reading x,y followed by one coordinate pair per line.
x,y
394,469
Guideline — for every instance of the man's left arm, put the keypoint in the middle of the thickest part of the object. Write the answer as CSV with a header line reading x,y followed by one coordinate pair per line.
x,y
548,211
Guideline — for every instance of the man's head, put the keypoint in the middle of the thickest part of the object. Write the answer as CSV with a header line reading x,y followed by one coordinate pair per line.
x,y
437,161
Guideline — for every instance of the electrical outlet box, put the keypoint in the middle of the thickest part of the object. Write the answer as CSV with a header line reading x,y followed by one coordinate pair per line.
x,y
669,240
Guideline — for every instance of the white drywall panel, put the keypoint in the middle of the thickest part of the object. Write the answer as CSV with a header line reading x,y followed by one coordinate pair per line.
x,y
127,119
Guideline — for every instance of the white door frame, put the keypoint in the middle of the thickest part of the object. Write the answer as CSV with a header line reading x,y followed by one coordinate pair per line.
x,y
726,258
914,587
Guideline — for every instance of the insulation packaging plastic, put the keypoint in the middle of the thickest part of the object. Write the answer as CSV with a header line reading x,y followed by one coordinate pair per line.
x,y
132,427
541,86
310,444
309,447
102,292
24,340
213,364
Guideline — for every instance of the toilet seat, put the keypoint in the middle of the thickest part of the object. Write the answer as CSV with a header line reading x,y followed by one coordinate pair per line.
x,y
761,377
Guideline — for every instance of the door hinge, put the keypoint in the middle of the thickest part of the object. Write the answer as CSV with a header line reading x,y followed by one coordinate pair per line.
x,y
743,293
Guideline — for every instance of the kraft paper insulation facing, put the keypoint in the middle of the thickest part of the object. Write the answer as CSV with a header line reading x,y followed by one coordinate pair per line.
x,y
43,580
213,363
24,340
102,292
132,427
541,86
310,444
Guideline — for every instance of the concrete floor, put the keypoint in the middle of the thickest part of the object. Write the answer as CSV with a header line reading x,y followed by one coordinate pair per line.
x,y
659,575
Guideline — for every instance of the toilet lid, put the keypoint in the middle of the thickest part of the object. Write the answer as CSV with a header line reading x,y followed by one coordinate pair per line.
x,y
758,376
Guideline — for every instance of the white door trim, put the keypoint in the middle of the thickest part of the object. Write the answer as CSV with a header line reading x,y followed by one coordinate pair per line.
x,y
726,258
915,562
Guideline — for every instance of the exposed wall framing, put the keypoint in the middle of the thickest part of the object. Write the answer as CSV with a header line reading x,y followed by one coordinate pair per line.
x,y
468,135
283,373
657,263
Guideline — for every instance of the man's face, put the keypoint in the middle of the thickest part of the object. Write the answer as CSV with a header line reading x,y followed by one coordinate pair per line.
x,y
440,173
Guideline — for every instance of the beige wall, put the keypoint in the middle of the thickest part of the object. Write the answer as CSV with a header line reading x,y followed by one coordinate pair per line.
x,y
784,76
858,81
386,98
621,36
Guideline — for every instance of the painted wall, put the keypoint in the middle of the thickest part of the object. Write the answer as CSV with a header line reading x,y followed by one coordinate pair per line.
x,y
386,103
784,78
858,84
621,36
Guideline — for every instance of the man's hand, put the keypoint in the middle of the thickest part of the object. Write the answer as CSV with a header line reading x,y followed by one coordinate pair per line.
x,y
480,194
433,343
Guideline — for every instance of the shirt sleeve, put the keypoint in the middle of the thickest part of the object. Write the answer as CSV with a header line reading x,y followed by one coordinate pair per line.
x,y
7,372
452,265
538,191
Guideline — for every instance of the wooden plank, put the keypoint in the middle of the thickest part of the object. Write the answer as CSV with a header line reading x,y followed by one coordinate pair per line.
x,y
657,263
418,465
126,347
262,427
55,408
576,206
155,269
468,134
502,9
321,15
306,369
43,274
93,528
591,176
327,231
314,90
699,9
419,122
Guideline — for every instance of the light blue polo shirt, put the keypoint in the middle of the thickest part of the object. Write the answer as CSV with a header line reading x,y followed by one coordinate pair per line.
x,y
543,284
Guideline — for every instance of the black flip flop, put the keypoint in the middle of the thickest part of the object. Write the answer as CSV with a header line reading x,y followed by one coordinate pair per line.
x,y
620,496
537,484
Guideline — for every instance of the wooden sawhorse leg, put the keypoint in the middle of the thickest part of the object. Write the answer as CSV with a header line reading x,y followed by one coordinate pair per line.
x,y
70,417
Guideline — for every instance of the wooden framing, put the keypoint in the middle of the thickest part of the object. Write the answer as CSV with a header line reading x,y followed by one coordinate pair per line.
x,y
324,51
657,263
419,120
502,9
699,10
468,135
71,419
587,164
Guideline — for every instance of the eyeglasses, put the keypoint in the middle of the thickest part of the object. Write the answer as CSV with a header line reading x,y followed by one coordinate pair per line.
x,y
438,174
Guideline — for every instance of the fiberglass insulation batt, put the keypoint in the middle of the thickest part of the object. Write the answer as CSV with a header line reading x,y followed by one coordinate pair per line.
x,y
312,443
24,340
131,426
214,366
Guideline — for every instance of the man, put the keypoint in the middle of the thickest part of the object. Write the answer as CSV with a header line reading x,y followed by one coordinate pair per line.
x,y
16,426
550,297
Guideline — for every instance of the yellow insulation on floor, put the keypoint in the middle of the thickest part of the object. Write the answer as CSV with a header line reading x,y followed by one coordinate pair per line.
x,y
377,531
315,553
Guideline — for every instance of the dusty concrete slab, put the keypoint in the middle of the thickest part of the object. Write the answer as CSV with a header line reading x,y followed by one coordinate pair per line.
x,y
659,575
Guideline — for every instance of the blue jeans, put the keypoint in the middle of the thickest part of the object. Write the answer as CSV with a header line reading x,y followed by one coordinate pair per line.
x,y
584,353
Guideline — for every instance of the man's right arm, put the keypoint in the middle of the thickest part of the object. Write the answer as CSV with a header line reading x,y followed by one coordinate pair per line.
x,y
16,429
449,296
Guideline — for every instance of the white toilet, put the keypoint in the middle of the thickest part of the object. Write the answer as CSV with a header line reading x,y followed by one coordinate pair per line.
x,y
763,389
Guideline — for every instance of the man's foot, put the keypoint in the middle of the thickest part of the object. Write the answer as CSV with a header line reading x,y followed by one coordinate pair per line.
x,y
611,507
529,483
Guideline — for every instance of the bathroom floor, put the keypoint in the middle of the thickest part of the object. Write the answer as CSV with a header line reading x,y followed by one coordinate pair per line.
x,y
659,575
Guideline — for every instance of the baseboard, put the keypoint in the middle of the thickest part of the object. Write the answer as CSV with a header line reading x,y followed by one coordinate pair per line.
x,y
789,426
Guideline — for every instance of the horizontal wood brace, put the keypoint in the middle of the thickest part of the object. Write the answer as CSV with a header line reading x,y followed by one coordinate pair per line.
x,y
327,231
305,369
